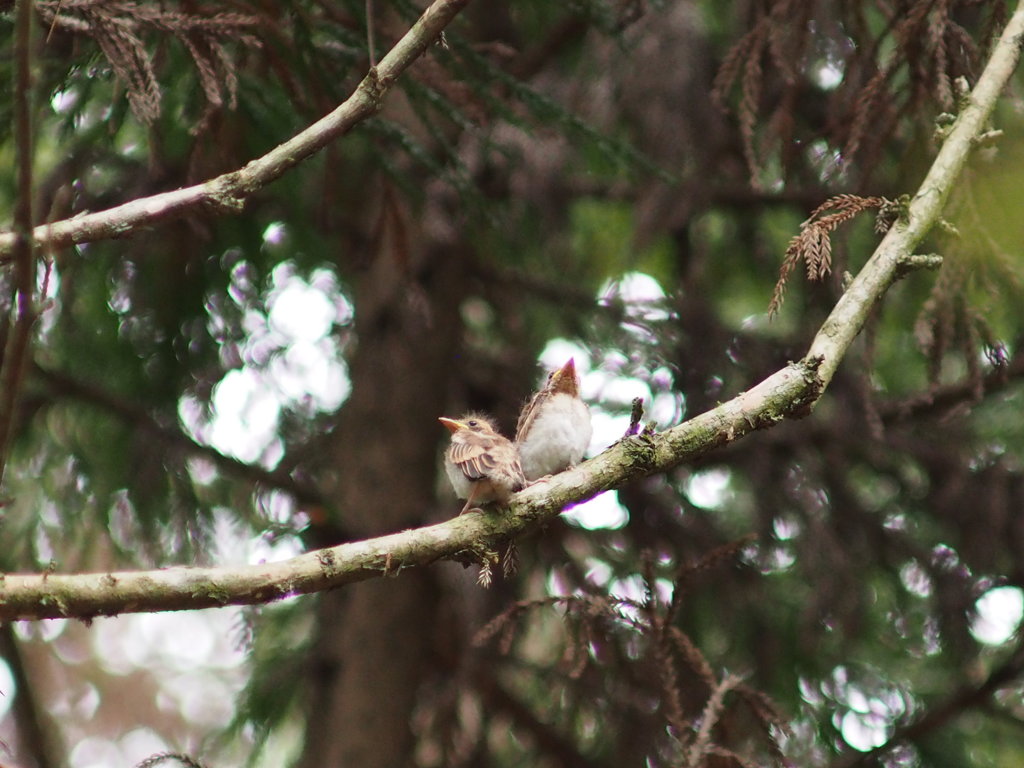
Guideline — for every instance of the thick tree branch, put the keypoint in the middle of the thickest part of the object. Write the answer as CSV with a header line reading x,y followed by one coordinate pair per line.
x,y
228,193
790,392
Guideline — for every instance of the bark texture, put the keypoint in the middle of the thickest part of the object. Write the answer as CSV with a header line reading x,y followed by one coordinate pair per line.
x,y
373,639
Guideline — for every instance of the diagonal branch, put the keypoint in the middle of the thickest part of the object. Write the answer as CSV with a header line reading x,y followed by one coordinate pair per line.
x,y
137,417
788,393
942,400
228,193
53,595
935,718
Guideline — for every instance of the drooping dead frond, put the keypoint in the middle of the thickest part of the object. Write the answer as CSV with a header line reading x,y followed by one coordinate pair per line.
x,y
775,39
950,323
658,651
813,245
980,272
743,63
906,66
485,576
510,559
119,28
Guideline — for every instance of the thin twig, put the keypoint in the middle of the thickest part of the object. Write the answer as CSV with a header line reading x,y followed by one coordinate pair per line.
x,y
53,23
166,757
636,413
708,720
942,400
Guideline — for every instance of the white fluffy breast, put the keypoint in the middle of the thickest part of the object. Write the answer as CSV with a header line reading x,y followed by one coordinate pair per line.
x,y
458,480
558,437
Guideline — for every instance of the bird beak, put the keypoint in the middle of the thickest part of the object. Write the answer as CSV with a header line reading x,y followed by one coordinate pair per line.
x,y
453,425
564,379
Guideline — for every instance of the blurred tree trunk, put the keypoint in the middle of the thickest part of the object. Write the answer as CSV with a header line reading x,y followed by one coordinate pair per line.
x,y
373,640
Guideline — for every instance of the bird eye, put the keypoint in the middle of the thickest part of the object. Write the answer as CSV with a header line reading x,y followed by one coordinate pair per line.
x,y
472,422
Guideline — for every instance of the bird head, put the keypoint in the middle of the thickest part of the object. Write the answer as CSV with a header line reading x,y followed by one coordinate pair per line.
x,y
565,379
471,422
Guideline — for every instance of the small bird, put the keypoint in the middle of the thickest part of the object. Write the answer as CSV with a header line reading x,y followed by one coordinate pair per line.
x,y
481,463
554,428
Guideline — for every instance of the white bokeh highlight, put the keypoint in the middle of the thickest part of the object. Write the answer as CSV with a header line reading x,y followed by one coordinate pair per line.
x,y
1000,611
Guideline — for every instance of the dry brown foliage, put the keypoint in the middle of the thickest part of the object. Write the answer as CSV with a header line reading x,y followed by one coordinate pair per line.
x,y
668,655
119,28
813,245
875,47
979,274
950,322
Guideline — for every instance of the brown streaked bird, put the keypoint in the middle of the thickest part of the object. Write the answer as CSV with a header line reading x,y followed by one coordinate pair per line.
x,y
554,428
482,464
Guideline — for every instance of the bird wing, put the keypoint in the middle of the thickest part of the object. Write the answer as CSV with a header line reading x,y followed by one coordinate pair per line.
x,y
475,458
519,480
529,414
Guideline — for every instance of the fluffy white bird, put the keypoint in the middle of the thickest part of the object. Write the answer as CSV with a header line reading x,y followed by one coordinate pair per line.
x,y
554,428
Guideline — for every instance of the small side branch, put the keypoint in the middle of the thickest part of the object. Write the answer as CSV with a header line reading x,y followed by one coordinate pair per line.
x,y
698,751
915,261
